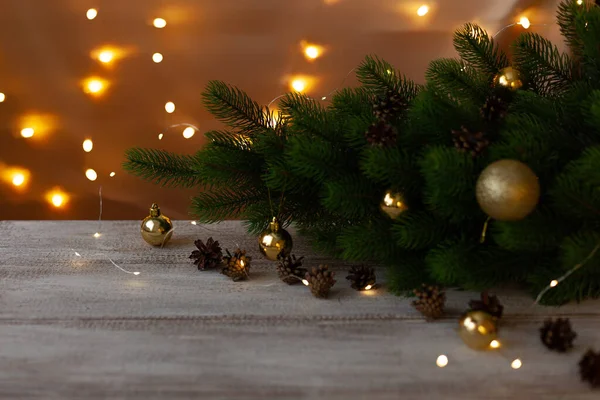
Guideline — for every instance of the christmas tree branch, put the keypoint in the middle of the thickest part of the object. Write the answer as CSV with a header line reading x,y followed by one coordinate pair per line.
x,y
476,48
162,168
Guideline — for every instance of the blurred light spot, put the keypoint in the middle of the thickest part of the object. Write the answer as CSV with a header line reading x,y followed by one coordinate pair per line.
x,y
2,97
299,85
57,197
170,107
368,287
423,10
112,174
95,86
27,132
88,145
18,179
305,282
160,136
159,23
524,22
442,361
516,364
494,344
194,223
188,132
553,283
311,51
579,2
91,175
157,57
97,235
91,13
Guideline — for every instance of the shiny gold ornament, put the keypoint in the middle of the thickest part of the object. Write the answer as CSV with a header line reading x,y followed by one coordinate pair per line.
x,y
509,78
508,190
393,204
156,228
477,329
275,242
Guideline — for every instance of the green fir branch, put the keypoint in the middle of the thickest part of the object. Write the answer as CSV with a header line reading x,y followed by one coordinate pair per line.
x,y
224,203
476,48
162,168
379,76
450,76
568,11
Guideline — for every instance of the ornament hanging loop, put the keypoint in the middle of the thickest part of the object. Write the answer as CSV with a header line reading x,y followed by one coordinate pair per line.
x,y
485,228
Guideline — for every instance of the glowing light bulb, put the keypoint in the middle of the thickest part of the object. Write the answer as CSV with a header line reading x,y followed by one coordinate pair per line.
x,y
159,23
57,197
2,97
188,132
157,57
94,86
106,56
88,145
91,175
494,344
57,200
136,273
423,10
579,2
524,22
18,179
242,263
305,282
91,13
312,52
553,283
299,85
97,235
368,287
194,223
112,174
516,364
170,107
160,136
27,132
442,361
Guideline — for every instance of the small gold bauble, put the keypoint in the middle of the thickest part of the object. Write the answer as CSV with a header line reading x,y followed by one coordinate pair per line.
x,y
509,78
477,329
275,242
393,204
156,228
508,190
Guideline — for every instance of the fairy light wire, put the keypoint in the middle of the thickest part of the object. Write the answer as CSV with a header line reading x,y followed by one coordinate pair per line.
x,y
100,213
136,273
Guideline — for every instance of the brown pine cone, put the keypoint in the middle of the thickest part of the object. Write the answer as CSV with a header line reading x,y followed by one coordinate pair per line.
x,y
208,255
466,141
488,304
320,281
494,108
237,266
361,277
589,368
381,134
557,335
290,269
389,106
431,301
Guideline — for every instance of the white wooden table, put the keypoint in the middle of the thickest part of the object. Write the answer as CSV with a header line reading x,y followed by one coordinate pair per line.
x,y
78,328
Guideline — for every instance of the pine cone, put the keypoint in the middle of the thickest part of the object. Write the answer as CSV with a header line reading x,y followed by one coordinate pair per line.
x,y
290,269
557,335
494,108
488,304
430,302
381,134
589,368
208,255
320,280
237,266
361,277
389,106
467,141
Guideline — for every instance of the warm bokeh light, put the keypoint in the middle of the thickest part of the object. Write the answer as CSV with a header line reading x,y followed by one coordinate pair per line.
x,y
311,51
91,13
112,174
442,361
494,344
95,86
553,283
88,145
188,132
91,175
15,176
106,56
27,132
524,22
516,364
305,282
157,57
423,10
160,136
97,235
159,23
57,197
579,2
18,179
2,97
170,107
299,84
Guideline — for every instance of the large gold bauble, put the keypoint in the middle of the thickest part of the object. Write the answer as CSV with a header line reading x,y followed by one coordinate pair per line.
x,y
508,190
509,78
156,228
393,204
275,242
477,329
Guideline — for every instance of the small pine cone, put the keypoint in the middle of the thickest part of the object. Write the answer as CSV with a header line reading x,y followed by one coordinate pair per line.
x,y
468,142
381,134
589,368
488,304
557,335
290,269
208,255
237,266
361,277
320,280
389,106
494,108
431,301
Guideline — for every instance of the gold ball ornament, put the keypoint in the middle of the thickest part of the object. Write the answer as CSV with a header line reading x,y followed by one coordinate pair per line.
x,y
508,190
156,228
477,329
509,78
393,204
275,241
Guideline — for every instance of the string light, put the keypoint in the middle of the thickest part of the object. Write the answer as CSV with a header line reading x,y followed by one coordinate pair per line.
x,y
97,235
299,84
88,145
188,132
311,51
91,175
57,197
94,86
170,107
423,10
579,2
553,283
106,56
136,273
18,179
112,174
516,364
160,136
305,282
159,23
157,57
194,223
494,344
441,361
27,132
368,287
2,97
91,13
524,22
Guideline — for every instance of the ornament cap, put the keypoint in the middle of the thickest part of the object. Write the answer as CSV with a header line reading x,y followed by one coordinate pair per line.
x,y
155,210
274,225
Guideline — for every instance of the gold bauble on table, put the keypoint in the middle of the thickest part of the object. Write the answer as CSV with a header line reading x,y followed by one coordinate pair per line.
x,y
509,78
393,204
156,228
275,241
477,329
508,190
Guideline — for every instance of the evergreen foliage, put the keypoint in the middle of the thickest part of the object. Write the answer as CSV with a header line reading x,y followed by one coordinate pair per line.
x,y
313,166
